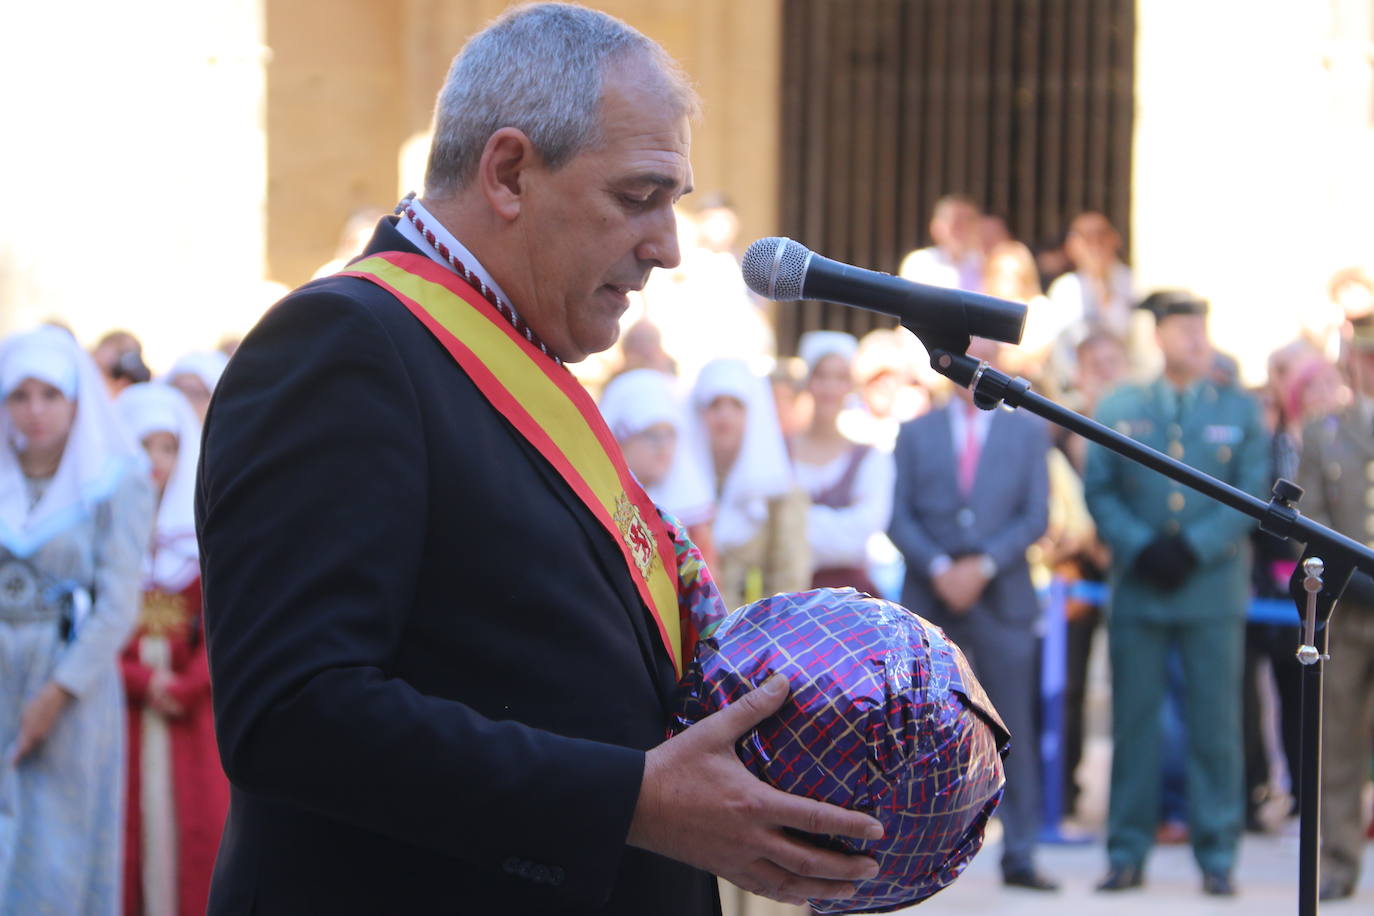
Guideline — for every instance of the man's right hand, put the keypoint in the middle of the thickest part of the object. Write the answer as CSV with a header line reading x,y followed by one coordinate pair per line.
x,y
700,805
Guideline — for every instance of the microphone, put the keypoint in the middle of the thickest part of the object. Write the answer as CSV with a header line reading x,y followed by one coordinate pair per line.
x,y
784,270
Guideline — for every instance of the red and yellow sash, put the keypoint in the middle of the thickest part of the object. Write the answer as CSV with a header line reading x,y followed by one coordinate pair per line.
x,y
551,409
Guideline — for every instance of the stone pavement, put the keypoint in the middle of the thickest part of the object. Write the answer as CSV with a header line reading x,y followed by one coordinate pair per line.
x,y
1267,878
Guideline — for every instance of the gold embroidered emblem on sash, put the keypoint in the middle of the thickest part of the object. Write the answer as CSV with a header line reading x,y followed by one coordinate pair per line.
x,y
635,533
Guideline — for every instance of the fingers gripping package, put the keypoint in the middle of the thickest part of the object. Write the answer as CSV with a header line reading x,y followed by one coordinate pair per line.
x,y
884,716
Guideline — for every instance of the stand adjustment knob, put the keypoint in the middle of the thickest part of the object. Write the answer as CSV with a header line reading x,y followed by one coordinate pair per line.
x,y
1286,491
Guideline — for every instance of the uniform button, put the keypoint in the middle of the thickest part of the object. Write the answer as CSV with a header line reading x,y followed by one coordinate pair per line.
x,y
1369,498
1176,450
1175,431
1172,526
965,518
1224,454
1369,524
1176,501
1333,471
1369,471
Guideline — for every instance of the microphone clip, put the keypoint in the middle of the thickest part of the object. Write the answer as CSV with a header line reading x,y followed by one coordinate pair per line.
x,y
990,387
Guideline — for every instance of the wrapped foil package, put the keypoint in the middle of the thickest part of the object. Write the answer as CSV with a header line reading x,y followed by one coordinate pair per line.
x,y
884,716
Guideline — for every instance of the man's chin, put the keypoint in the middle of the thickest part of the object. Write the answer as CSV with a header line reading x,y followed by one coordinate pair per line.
x,y
593,340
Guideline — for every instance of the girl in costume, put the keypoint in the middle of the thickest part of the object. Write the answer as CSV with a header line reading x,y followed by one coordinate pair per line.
x,y
177,792
75,511
850,484
646,417
196,375
760,526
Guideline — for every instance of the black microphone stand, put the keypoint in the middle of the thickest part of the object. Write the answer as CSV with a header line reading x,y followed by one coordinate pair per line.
x,y
1327,562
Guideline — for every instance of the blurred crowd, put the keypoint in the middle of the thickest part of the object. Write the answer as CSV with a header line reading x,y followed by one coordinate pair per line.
x,y
853,464
850,464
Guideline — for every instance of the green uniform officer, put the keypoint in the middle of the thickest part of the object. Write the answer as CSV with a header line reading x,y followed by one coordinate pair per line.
x,y
1179,579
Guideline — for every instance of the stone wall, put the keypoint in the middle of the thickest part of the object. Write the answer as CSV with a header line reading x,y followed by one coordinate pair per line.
x,y
351,81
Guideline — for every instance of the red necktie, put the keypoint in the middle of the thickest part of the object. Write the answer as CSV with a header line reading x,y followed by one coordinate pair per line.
x,y
968,458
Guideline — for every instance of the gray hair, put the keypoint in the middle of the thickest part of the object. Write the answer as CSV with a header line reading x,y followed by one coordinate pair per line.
x,y
537,68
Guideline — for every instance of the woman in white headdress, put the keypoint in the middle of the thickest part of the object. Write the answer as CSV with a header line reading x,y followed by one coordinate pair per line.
x,y
760,521
196,375
177,792
646,416
75,511
850,484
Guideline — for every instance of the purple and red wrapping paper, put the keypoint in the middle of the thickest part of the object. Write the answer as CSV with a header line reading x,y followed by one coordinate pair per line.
x,y
884,716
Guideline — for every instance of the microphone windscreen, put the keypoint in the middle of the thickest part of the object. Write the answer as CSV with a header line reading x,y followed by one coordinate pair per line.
x,y
775,268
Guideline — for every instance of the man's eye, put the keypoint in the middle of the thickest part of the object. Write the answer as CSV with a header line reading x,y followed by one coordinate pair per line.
x,y
632,200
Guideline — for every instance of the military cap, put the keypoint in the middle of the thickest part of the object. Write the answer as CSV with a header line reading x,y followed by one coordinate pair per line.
x,y
1166,302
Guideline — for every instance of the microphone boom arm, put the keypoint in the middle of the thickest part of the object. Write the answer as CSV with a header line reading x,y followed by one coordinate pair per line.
x,y
1316,595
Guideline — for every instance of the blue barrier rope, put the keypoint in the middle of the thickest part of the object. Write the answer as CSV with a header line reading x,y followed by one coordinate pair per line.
x,y
1261,610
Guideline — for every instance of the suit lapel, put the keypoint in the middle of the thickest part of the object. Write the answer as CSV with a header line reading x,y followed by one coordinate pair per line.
x,y
611,562
992,446
946,451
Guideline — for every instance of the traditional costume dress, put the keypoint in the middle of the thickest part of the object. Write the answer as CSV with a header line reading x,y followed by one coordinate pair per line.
x,y
177,792
851,495
70,549
760,512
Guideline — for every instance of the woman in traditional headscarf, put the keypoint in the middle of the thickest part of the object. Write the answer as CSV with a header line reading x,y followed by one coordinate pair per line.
x,y
75,511
646,416
760,525
196,375
177,792
850,484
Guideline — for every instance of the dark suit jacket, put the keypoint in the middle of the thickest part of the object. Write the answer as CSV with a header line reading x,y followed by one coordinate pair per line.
x,y
1006,511
433,678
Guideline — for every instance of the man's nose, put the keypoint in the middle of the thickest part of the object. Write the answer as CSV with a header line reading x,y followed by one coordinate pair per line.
x,y
660,246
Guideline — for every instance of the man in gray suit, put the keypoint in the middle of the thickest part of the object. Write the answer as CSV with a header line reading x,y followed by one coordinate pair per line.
x,y
971,496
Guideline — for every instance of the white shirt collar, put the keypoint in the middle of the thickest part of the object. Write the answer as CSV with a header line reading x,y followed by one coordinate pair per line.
x,y
460,251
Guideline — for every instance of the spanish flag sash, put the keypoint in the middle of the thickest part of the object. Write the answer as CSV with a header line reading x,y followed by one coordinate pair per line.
x,y
554,413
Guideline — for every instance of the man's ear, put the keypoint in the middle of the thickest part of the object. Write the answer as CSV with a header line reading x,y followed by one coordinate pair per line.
x,y
501,172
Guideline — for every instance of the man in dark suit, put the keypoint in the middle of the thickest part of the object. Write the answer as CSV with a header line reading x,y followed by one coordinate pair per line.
x,y
437,684
972,494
